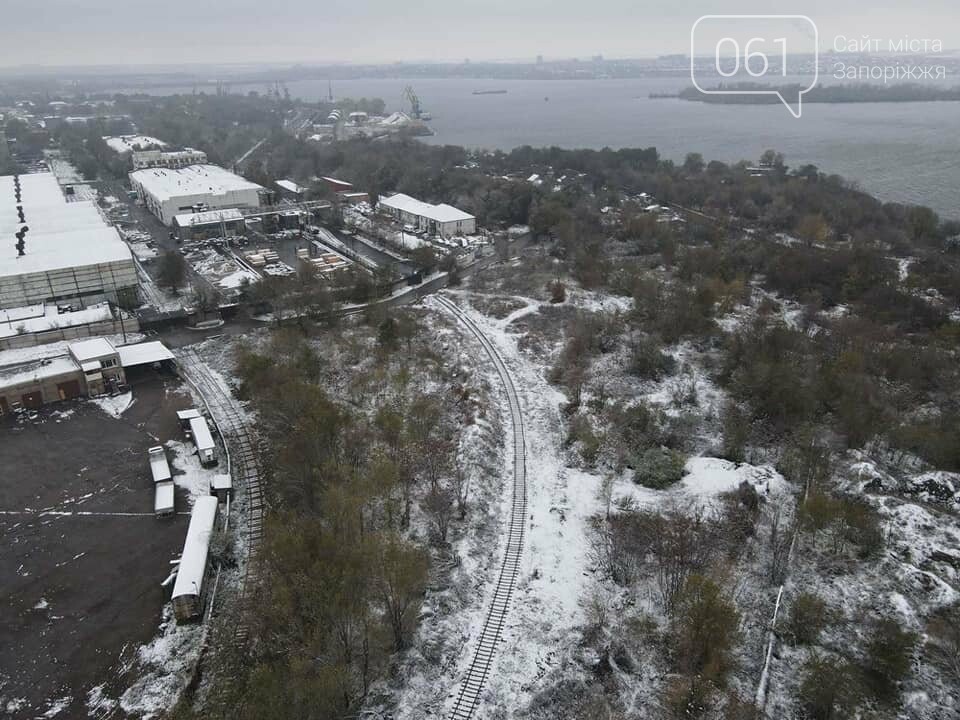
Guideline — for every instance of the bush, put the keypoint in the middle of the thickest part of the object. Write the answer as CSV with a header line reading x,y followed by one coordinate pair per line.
x,y
736,432
581,430
558,292
888,658
846,521
943,645
828,689
648,361
689,696
704,630
808,616
658,468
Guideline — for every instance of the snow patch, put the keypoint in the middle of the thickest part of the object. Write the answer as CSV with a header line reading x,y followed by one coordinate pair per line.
x,y
115,405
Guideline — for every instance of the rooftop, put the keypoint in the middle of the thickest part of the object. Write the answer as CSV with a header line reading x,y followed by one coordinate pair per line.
x,y
438,213
36,370
144,353
127,143
208,217
166,183
91,349
61,235
40,318
291,186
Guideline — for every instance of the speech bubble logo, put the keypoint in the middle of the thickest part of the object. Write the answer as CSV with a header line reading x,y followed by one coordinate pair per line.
x,y
752,51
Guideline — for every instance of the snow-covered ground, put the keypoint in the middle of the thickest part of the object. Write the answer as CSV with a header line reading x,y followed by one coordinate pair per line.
x,y
114,405
165,665
557,579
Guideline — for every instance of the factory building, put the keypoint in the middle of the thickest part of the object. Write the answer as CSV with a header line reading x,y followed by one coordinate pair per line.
x,y
171,192
444,220
148,152
212,223
168,158
124,144
65,371
58,252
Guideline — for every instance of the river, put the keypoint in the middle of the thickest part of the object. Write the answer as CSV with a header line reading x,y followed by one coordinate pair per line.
x,y
905,152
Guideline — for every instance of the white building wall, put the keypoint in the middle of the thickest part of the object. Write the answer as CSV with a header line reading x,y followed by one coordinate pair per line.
x,y
458,227
91,282
168,209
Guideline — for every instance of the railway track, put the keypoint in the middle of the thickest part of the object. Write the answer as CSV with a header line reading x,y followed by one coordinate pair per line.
x,y
242,463
473,684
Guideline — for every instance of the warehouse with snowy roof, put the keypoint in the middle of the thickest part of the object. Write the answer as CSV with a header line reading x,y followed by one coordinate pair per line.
x,y
58,251
444,220
169,192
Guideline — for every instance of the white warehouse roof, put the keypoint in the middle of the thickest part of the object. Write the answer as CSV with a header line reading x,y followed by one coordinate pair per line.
x,y
439,213
127,143
291,186
208,217
61,235
166,183
143,353
91,349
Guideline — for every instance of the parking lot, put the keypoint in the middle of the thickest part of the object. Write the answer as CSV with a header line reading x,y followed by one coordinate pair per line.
x,y
82,555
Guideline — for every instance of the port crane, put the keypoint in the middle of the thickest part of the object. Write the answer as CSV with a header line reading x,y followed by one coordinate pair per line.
x,y
410,96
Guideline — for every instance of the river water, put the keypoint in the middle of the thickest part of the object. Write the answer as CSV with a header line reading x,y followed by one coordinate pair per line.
x,y
907,152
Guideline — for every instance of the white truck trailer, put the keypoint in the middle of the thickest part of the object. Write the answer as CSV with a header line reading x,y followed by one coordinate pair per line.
x,y
206,448
163,498
163,492
188,588
158,464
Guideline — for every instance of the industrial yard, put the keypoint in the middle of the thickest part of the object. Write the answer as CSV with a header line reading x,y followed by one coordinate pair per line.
x,y
83,554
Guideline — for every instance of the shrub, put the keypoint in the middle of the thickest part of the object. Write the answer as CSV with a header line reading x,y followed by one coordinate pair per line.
x,y
888,658
808,616
558,292
689,696
847,520
944,639
581,430
648,361
704,630
658,468
828,689
736,432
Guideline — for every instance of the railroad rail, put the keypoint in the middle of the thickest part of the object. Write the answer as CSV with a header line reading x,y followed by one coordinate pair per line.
x,y
242,463
473,684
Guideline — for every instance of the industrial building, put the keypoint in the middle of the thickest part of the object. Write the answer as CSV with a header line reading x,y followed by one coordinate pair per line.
x,y
59,252
171,192
168,158
124,144
212,223
444,220
70,370
149,152
290,189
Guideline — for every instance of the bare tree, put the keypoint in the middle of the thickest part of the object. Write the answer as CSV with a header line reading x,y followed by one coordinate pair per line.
x,y
439,505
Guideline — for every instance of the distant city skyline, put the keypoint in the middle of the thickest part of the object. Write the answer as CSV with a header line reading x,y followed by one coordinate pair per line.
x,y
379,31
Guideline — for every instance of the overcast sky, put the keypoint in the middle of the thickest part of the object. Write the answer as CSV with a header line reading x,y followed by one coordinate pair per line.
x,y
134,32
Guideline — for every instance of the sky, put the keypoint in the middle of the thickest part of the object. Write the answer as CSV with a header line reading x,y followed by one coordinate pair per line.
x,y
168,32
